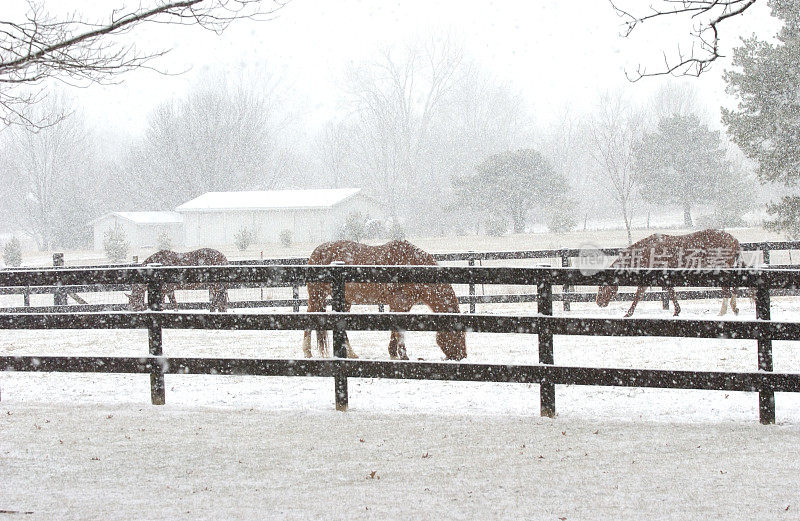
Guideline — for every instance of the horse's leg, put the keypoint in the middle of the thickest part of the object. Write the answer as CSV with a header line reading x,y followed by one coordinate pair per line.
x,y
674,297
397,343
636,298
169,295
322,343
316,303
401,345
307,343
733,301
350,352
213,299
393,341
726,294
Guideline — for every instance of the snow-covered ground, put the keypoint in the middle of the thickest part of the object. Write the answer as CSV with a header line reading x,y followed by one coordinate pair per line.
x,y
84,446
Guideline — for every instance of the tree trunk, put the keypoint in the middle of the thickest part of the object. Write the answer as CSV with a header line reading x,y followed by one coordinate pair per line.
x,y
519,224
518,220
627,222
687,216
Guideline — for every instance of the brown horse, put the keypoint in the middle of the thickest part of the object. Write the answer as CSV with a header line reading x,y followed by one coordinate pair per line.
x,y
704,249
400,297
217,293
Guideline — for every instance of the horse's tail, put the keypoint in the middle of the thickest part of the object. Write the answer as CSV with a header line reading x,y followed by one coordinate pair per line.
x,y
741,264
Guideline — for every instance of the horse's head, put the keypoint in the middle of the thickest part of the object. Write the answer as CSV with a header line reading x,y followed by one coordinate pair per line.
x,y
453,344
605,294
136,298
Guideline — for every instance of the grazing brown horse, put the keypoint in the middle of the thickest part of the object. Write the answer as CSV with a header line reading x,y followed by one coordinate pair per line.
x,y
218,295
704,249
400,297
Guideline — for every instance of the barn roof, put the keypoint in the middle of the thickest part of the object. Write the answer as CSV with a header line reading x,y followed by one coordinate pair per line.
x,y
146,217
271,199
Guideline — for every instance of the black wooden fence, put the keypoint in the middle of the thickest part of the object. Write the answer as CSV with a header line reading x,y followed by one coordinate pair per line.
x,y
566,256
543,324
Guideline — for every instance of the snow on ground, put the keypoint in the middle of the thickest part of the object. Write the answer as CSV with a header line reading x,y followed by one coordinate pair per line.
x,y
83,446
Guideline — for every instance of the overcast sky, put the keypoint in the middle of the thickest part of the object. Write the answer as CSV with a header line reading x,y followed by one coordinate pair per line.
x,y
556,53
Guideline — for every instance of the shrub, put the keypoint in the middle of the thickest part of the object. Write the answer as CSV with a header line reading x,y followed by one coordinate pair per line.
x,y
116,244
285,238
164,241
396,231
12,252
375,229
355,226
243,238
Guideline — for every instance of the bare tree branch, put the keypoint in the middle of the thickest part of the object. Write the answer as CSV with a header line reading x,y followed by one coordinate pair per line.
x,y
705,16
79,52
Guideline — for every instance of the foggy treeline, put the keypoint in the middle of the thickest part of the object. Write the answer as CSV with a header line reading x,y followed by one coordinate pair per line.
x,y
442,145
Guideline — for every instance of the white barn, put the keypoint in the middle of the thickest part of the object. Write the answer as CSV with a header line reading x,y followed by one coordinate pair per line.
x,y
142,229
215,218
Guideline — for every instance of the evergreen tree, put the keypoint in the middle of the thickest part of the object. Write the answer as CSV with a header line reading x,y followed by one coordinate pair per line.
x,y
116,244
12,252
512,183
679,163
164,241
766,122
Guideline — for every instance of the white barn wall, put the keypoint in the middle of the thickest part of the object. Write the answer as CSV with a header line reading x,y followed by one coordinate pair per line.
x,y
206,228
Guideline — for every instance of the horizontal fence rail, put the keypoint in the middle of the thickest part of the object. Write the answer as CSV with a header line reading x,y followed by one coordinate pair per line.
x,y
543,324
656,378
566,256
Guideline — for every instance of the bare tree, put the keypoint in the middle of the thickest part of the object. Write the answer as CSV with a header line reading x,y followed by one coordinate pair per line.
x,y
81,49
613,130
565,143
222,137
705,18
674,99
334,150
396,101
48,181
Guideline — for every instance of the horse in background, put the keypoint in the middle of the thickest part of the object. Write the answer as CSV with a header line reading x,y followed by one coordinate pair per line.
x,y
703,249
400,297
217,293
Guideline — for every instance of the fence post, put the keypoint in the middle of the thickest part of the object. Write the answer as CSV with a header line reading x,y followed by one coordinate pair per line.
x,y
26,297
664,298
155,303
547,391
295,297
59,295
565,263
766,399
765,253
339,305
471,262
